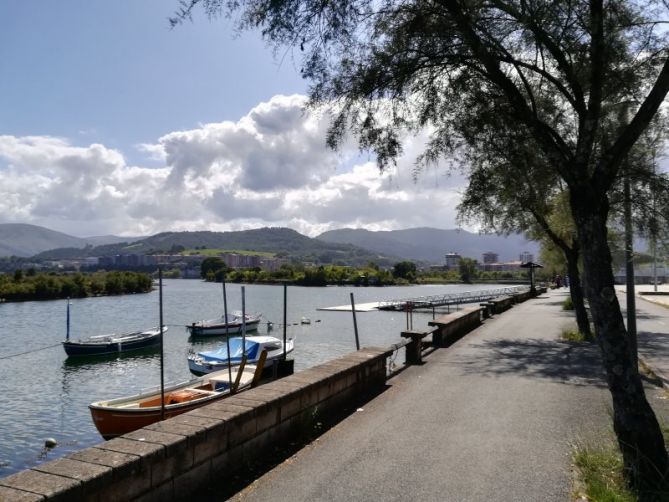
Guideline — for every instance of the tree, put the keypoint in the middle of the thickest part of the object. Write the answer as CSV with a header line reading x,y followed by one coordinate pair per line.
x,y
556,71
512,188
213,267
469,269
405,270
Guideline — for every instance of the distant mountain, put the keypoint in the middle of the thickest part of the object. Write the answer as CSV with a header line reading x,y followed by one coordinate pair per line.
x,y
431,244
18,239
283,241
346,246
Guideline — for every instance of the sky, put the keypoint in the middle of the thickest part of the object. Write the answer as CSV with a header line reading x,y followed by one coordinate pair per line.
x,y
113,123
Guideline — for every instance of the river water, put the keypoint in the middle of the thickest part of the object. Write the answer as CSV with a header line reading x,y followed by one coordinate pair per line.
x,y
45,394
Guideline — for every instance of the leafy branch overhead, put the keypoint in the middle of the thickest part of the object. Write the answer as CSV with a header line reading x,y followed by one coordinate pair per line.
x,y
566,87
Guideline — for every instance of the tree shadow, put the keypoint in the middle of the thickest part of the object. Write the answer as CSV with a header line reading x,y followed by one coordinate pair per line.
x,y
573,363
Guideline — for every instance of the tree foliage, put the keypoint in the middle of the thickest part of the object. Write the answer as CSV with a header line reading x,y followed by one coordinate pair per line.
x,y
51,286
579,80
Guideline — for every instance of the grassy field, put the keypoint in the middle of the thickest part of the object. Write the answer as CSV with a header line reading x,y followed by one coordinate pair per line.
x,y
219,252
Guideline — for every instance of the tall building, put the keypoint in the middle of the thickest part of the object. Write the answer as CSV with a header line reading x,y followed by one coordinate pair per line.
x,y
490,257
526,257
452,260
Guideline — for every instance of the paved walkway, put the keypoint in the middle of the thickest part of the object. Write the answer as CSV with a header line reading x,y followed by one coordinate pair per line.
x,y
652,327
494,417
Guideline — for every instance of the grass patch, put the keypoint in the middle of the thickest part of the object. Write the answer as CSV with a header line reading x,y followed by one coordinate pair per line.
x,y
568,304
572,334
600,472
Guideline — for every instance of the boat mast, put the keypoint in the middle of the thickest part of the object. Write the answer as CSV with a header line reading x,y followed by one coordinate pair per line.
x,y
67,334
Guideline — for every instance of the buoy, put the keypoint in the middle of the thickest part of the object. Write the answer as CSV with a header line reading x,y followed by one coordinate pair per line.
x,y
50,442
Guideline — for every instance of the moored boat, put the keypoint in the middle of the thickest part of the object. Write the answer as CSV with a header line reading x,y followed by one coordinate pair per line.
x,y
115,417
201,363
113,343
232,324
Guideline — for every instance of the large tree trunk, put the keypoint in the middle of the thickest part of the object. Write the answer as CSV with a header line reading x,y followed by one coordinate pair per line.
x,y
576,292
636,427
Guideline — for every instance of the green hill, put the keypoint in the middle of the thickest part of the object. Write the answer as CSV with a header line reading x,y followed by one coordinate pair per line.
x,y
19,239
282,241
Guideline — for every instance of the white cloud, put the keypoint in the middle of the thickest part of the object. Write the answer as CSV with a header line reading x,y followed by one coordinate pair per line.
x,y
269,168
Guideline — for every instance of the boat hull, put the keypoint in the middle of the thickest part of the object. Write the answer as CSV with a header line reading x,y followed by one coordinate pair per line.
x,y
112,423
123,415
102,347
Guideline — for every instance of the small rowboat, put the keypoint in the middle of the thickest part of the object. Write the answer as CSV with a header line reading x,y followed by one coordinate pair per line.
x,y
115,417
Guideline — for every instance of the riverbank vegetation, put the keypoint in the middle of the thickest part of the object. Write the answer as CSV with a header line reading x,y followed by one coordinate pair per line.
x,y
30,285
404,272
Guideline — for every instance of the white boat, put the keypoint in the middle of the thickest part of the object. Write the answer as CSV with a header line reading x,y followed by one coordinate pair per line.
x,y
305,320
230,325
201,363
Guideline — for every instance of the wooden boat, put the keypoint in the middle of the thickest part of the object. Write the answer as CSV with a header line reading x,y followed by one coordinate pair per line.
x,y
114,343
119,416
202,363
231,324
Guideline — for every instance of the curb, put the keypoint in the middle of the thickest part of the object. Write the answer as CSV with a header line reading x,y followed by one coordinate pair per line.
x,y
657,373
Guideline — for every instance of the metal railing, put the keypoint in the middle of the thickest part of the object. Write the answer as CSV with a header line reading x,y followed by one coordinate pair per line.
x,y
450,298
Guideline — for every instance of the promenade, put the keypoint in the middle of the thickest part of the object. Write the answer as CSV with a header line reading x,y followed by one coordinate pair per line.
x,y
492,418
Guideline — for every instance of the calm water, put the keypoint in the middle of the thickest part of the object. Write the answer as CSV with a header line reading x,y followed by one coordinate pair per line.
x,y
45,394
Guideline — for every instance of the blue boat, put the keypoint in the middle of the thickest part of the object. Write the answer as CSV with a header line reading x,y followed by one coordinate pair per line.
x,y
201,363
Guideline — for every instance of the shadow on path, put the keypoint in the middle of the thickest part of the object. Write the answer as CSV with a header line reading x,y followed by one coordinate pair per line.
x,y
559,361
655,344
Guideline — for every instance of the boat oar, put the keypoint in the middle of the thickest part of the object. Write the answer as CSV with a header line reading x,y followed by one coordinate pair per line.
x,y
240,370
260,366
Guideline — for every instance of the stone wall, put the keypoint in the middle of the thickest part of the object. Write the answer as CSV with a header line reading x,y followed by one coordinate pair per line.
x,y
170,459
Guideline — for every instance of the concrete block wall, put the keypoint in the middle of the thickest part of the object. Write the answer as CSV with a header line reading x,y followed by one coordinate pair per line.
x,y
171,459
455,325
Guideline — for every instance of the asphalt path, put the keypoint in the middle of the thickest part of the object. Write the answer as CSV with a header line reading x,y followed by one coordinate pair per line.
x,y
492,418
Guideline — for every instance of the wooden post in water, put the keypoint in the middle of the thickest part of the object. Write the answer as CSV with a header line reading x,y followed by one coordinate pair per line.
x,y
162,356
355,324
285,321
227,334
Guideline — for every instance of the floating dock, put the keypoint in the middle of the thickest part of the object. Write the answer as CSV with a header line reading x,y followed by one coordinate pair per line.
x,y
428,302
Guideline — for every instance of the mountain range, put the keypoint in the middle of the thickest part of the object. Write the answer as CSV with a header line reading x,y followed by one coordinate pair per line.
x,y
349,246
431,244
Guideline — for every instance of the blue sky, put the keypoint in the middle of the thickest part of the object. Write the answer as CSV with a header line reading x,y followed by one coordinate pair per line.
x,y
114,71
113,123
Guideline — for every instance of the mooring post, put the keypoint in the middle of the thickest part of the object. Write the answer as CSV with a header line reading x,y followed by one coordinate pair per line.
x,y
355,324
413,349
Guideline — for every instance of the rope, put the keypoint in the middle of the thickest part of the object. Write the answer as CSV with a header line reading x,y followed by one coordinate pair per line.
x,y
30,351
